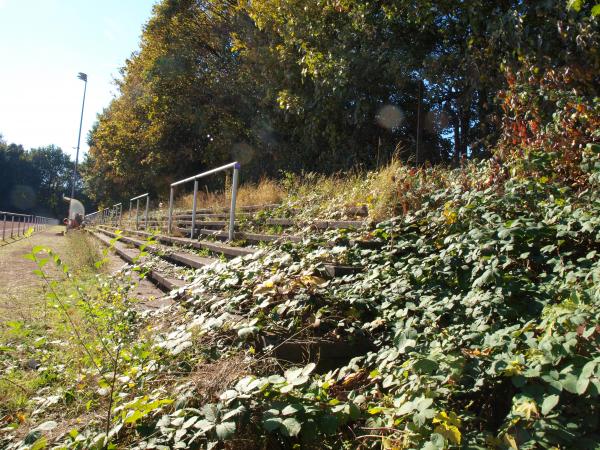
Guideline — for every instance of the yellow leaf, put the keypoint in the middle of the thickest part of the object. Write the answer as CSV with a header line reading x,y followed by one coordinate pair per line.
x,y
512,443
450,432
266,287
527,409
311,280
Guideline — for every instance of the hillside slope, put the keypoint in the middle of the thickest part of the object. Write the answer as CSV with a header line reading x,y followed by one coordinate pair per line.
x,y
470,322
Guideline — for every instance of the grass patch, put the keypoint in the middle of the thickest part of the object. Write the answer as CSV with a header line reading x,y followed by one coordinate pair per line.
x,y
38,350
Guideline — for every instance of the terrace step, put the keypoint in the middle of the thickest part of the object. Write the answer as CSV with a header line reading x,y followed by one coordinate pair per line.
x,y
130,255
219,249
318,224
205,223
225,209
338,270
360,211
199,217
252,237
185,259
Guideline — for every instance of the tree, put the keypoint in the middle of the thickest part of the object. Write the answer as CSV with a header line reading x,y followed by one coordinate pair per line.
x,y
34,181
325,85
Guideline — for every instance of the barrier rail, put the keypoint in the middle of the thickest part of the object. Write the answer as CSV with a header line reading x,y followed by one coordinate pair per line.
x,y
118,209
137,207
236,169
23,222
106,215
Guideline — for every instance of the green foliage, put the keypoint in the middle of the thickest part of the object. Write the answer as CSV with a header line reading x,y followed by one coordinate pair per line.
x,y
34,180
479,309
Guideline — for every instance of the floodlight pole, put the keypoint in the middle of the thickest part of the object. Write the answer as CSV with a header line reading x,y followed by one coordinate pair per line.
x,y
81,76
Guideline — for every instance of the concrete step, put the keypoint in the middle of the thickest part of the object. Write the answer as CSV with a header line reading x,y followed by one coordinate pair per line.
x,y
185,259
130,255
252,237
219,249
317,224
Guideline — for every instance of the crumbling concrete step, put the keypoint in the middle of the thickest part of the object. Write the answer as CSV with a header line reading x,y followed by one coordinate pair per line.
x,y
252,237
201,217
220,249
130,255
317,224
181,258
204,223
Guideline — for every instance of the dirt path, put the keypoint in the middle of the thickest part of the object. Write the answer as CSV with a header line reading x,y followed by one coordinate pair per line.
x,y
22,292
16,272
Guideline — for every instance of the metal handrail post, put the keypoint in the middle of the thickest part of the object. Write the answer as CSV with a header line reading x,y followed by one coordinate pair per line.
x,y
137,211
234,165
170,209
12,226
146,216
4,228
194,204
234,189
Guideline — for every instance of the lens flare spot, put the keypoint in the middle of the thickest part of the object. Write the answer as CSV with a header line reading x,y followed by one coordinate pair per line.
x,y
390,117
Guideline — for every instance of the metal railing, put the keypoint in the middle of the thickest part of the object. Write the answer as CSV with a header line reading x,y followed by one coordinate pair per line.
x,y
137,207
23,222
111,215
117,211
236,170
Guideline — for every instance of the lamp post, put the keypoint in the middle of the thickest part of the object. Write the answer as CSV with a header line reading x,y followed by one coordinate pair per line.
x,y
82,76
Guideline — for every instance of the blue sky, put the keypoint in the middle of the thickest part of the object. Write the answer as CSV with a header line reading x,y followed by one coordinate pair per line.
x,y
43,45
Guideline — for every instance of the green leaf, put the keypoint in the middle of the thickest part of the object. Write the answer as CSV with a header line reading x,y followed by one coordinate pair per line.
x,y
549,403
39,444
328,424
406,408
291,427
47,426
292,409
272,423
575,5
570,383
225,430
425,366
596,10
582,385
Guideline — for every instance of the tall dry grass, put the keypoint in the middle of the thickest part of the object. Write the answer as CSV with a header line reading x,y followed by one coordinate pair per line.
x,y
393,190
266,192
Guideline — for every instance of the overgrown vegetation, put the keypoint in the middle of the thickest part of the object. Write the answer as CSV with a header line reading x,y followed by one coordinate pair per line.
x,y
472,323
468,317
